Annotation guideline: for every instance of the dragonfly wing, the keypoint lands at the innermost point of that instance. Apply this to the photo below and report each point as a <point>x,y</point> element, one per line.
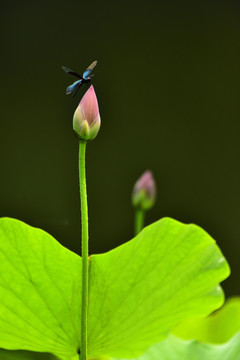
<point>74,86</point>
<point>89,69</point>
<point>77,88</point>
<point>71,72</point>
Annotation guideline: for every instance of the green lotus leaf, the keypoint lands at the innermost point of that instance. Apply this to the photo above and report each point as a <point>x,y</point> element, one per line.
<point>141,289</point>
<point>137,292</point>
<point>40,291</point>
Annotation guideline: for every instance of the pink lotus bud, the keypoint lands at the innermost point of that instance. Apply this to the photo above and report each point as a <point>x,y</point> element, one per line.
<point>86,119</point>
<point>144,191</point>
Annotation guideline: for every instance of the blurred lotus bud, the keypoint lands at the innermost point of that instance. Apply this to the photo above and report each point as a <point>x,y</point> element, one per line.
<point>86,119</point>
<point>144,191</point>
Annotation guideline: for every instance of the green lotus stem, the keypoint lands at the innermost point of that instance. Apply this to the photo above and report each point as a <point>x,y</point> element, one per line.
<point>139,220</point>
<point>84,217</point>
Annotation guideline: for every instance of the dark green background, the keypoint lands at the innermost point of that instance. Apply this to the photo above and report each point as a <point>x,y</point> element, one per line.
<point>167,82</point>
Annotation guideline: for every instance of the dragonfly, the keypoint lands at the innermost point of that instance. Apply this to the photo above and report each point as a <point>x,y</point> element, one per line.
<point>82,79</point>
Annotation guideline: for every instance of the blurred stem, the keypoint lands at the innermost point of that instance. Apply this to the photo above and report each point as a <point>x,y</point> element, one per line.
<point>139,220</point>
<point>84,217</point>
